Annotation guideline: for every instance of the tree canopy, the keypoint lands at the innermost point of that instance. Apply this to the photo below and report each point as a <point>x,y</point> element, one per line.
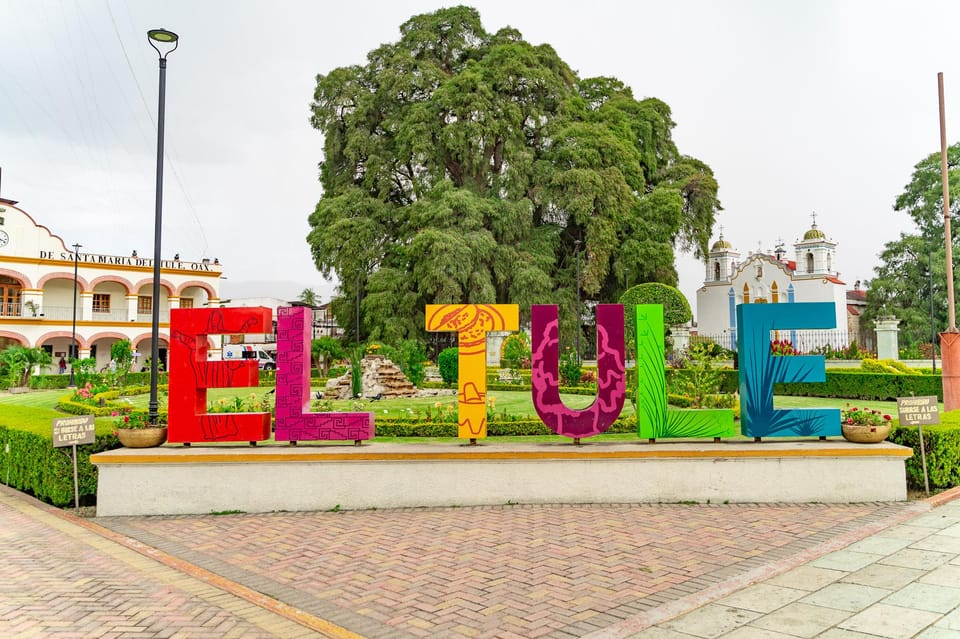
<point>902,285</point>
<point>676,309</point>
<point>461,166</point>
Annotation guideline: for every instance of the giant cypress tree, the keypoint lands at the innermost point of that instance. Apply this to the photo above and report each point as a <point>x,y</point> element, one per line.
<point>461,166</point>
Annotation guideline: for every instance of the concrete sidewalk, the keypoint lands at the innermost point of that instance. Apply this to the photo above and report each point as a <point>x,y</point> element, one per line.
<point>901,582</point>
<point>674,571</point>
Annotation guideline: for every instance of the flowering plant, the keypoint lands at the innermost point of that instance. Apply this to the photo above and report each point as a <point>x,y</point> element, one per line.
<point>139,420</point>
<point>782,347</point>
<point>864,416</point>
<point>86,394</point>
<point>253,404</point>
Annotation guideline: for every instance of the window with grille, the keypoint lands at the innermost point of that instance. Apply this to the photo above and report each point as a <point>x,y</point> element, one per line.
<point>186,302</point>
<point>10,296</point>
<point>101,302</point>
<point>144,305</point>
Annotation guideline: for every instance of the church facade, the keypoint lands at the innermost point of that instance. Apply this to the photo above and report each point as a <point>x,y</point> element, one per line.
<point>809,275</point>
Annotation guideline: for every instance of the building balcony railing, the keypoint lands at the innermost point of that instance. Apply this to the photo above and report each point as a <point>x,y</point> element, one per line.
<point>65,313</point>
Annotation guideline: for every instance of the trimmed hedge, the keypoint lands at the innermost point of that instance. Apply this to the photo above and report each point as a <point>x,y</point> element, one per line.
<point>39,382</point>
<point>388,427</point>
<point>33,465</point>
<point>941,444</point>
<point>110,405</point>
<point>862,385</point>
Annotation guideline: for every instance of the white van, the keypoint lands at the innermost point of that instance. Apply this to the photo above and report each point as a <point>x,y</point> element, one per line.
<point>264,359</point>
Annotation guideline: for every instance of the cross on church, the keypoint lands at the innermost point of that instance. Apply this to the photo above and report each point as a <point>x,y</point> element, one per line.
<point>814,216</point>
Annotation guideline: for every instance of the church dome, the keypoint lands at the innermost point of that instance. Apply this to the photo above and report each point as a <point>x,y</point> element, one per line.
<point>721,245</point>
<point>814,233</point>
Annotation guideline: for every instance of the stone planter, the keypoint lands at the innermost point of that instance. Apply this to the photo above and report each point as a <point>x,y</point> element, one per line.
<point>142,437</point>
<point>865,433</point>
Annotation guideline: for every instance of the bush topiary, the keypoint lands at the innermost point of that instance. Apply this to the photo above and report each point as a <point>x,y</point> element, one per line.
<point>676,308</point>
<point>449,363</point>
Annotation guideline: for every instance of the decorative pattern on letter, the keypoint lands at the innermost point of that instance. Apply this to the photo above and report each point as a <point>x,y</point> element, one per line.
<point>759,370</point>
<point>545,378</point>
<point>293,421</point>
<point>472,322</point>
<point>191,375</point>
<point>654,419</point>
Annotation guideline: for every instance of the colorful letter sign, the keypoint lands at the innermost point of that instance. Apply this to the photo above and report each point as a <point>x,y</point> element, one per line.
<point>611,375</point>
<point>760,370</point>
<point>654,419</point>
<point>294,423</point>
<point>472,322</point>
<point>191,375</point>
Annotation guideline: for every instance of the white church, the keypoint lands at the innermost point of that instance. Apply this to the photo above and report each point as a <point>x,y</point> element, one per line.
<point>764,278</point>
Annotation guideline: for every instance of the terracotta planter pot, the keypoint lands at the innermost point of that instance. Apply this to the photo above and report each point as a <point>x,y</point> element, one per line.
<point>142,437</point>
<point>865,433</point>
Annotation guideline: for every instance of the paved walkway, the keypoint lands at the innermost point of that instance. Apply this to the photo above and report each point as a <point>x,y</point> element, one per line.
<point>653,571</point>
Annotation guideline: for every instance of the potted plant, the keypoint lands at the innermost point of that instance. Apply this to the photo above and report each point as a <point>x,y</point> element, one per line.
<point>134,430</point>
<point>864,425</point>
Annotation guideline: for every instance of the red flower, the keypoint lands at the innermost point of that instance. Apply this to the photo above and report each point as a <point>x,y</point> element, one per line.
<point>887,418</point>
<point>849,420</point>
<point>126,419</point>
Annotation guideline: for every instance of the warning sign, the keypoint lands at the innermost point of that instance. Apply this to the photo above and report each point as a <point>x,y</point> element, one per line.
<point>78,430</point>
<point>918,411</point>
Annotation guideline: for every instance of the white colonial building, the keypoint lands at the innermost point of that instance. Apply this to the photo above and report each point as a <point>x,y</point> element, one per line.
<point>764,278</point>
<point>114,294</point>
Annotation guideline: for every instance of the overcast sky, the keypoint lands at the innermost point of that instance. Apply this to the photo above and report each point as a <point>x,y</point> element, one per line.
<point>797,106</point>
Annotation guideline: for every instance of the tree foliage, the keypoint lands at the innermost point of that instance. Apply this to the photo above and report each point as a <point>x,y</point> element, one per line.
<point>17,363</point>
<point>325,350</point>
<point>463,166</point>
<point>676,308</point>
<point>902,283</point>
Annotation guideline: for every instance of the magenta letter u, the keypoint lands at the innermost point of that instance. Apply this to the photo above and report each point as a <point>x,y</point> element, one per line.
<point>545,378</point>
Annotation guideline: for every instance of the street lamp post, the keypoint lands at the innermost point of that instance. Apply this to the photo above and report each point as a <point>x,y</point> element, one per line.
<point>73,338</point>
<point>163,38</point>
<point>358,308</point>
<point>577,244</point>
<point>933,329</point>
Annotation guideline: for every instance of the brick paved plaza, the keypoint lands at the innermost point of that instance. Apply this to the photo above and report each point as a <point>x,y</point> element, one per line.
<point>506,571</point>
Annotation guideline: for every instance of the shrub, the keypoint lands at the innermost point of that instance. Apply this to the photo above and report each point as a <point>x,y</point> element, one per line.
<point>676,308</point>
<point>941,444</point>
<point>782,347</point>
<point>356,371</point>
<point>516,351</point>
<point>449,363</point>
<point>857,384</point>
<point>887,366</point>
<point>699,380</point>
<point>569,366</point>
<point>33,465</point>
<point>410,356</point>
<point>44,382</point>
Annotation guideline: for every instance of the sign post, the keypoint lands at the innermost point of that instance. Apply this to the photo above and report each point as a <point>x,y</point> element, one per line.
<point>71,431</point>
<point>917,411</point>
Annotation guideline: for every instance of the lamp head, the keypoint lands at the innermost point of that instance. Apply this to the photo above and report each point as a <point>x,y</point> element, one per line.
<point>164,38</point>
